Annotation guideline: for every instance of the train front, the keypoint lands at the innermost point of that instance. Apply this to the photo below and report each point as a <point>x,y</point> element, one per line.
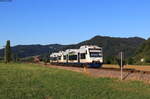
<point>95,56</point>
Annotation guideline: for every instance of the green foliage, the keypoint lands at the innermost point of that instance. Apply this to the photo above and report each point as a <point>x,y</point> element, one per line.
<point>29,81</point>
<point>130,61</point>
<point>15,58</point>
<point>46,58</point>
<point>8,56</point>
<point>27,59</point>
<point>119,62</point>
<point>1,58</point>
<point>143,52</point>
<point>110,60</point>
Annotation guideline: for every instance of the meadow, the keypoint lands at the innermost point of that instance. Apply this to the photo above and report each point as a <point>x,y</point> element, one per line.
<point>32,81</point>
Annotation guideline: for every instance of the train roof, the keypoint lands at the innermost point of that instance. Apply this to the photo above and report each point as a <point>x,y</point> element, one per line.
<point>75,51</point>
<point>82,49</point>
<point>89,46</point>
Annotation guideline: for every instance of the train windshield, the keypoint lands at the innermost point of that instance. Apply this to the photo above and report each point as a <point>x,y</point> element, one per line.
<point>95,52</point>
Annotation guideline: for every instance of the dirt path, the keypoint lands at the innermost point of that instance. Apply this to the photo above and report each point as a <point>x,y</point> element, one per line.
<point>99,72</point>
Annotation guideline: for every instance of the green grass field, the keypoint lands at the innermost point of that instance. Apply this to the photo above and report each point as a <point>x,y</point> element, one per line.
<point>30,81</point>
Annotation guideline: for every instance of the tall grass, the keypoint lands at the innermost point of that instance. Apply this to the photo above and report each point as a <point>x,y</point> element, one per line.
<point>30,81</point>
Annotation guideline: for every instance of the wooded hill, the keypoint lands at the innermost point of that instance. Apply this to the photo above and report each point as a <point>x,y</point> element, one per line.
<point>111,47</point>
<point>143,52</point>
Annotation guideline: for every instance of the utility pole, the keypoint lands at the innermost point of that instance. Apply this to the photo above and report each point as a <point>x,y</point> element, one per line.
<point>121,67</point>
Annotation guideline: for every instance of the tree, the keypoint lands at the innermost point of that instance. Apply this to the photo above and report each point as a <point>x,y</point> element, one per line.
<point>15,58</point>
<point>27,59</point>
<point>143,52</point>
<point>130,61</point>
<point>45,59</point>
<point>118,60</point>
<point>7,56</point>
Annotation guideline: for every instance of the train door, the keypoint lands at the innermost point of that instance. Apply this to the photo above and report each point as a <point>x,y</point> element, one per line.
<point>78,57</point>
<point>67,58</point>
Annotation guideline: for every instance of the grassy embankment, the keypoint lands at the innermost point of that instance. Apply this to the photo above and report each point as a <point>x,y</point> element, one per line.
<point>30,81</point>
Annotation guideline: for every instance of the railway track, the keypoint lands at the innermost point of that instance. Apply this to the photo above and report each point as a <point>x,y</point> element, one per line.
<point>127,70</point>
<point>130,70</point>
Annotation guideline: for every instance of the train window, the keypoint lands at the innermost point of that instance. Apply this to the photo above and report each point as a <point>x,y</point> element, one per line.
<point>59,57</point>
<point>82,55</point>
<point>54,58</point>
<point>65,57</point>
<point>73,57</point>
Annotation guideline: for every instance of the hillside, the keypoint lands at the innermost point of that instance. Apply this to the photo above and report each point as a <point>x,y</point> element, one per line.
<point>143,52</point>
<point>111,46</point>
<point>32,50</point>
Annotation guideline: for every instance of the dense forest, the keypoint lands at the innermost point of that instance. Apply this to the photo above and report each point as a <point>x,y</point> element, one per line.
<point>143,53</point>
<point>111,47</point>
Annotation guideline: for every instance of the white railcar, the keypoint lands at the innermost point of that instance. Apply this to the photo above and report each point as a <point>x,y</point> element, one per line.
<point>89,55</point>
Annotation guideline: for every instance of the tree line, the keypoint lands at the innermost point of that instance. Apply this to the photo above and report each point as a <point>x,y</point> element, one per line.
<point>9,56</point>
<point>142,55</point>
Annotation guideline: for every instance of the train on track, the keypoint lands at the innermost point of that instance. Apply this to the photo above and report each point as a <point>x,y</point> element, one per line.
<point>87,55</point>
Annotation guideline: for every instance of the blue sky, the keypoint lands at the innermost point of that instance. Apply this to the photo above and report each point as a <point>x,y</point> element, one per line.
<point>72,21</point>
